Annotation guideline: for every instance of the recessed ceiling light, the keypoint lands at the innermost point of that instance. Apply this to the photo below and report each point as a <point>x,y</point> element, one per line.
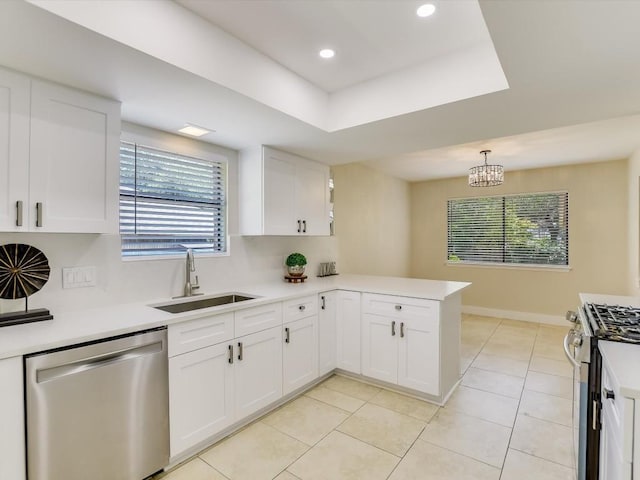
<point>327,53</point>
<point>194,131</point>
<point>426,10</point>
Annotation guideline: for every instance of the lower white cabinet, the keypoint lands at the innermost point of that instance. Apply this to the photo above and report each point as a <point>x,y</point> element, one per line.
<point>400,341</point>
<point>12,420</point>
<point>327,333</point>
<point>348,330</point>
<point>299,353</point>
<point>200,395</point>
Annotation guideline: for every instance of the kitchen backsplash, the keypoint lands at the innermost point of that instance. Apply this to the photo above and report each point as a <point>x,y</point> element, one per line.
<point>252,260</point>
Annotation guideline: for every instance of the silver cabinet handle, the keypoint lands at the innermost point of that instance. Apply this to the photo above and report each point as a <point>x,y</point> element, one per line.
<point>393,328</point>
<point>19,213</point>
<point>304,226</point>
<point>230,353</point>
<point>401,329</point>
<point>287,335</point>
<point>299,226</point>
<point>398,307</point>
<point>568,338</point>
<point>38,214</point>
<point>240,351</point>
<point>302,308</point>
<point>324,304</point>
<point>594,415</point>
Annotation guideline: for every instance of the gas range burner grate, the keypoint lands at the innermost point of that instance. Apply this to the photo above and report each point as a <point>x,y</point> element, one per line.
<point>615,322</point>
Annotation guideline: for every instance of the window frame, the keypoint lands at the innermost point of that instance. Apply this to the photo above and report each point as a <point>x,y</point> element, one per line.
<point>188,151</point>
<point>507,265</point>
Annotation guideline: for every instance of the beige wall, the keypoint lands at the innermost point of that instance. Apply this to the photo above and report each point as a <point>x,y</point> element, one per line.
<point>372,222</point>
<point>634,224</point>
<point>598,239</point>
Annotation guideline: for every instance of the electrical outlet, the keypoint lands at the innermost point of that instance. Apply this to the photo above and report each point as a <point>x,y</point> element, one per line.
<point>76,277</point>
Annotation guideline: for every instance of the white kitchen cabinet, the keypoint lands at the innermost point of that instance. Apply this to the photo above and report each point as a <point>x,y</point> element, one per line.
<point>74,167</point>
<point>299,353</point>
<point>327,332</point>
<point>201,401</point>
<point>12,420</point>
<point>14,150</point>
<point>258,371</point>
<point>282,194</point>
<point>348,331</point>
<point>400,341</point>
<point>202,332</point>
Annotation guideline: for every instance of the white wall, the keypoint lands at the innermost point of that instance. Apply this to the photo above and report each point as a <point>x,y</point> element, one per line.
<point>251,259</point>
<point>633,221</point>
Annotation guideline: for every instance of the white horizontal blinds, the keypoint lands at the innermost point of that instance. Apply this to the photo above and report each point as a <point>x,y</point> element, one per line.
<point>514,229</point>
<point>170,202</point>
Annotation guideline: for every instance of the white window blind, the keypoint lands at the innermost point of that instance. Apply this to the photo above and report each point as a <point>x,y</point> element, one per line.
<point>170,202</point>
<point>515,229</point>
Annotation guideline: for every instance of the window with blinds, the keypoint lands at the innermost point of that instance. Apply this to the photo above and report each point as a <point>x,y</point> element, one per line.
<point>516,229</point>
<point>170,202</point>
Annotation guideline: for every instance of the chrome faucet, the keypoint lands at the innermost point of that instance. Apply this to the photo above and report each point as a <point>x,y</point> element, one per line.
<point>190,266</point>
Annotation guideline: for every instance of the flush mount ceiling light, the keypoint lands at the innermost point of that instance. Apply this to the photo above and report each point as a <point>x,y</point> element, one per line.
<point>327,53</point>
<point>194,130</point>
<point>486,175</point>
<point>426,10</point>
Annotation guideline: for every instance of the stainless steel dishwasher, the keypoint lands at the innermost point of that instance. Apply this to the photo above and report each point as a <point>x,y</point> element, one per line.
<point>99,410</point>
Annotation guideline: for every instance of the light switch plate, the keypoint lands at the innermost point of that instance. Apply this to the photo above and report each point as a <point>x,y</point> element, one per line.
<point>76,277</point>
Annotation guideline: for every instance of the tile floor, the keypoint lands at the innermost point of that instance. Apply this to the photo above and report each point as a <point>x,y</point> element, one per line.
<point>509,419</point>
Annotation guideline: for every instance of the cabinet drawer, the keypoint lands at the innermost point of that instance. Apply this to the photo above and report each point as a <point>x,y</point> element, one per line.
<point>300,307</point>
<point>202,332</point>
<point>401,307</point>
<point>255,319</point>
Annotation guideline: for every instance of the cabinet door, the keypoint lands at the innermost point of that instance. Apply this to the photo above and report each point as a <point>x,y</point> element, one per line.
<point>348,326</point>
<point>12,420</point>
<point>419,355</point>
<point>14,150</point>
<point>258,370</point>
<point>200,396</point>
<point>312,197</point>
<point>380,347</point>
<point>74,160</point>
<point>299,353</point>
<point>327,333</point>
<point>279,194</point>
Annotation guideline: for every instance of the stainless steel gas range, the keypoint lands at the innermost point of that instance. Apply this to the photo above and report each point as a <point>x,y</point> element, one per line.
<point>600,317</point>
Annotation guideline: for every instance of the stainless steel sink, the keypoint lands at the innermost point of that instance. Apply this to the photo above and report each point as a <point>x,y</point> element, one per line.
<point>203,303</point>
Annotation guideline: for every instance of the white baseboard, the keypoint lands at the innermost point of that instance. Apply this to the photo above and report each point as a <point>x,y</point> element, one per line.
<point>513,315</point>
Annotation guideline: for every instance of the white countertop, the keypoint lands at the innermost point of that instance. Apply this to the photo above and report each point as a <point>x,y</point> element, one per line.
<point>610,299</point>
<point>623,361</point>
<point>69,328</point>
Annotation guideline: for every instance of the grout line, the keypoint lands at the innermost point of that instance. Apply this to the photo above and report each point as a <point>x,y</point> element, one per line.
<point>542,458</point>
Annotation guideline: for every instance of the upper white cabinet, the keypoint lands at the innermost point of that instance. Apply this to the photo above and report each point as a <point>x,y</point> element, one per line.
<point>282,194</point>
<point>58,158</point>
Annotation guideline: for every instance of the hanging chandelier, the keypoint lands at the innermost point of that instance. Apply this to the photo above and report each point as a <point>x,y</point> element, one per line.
<point>486,175</point>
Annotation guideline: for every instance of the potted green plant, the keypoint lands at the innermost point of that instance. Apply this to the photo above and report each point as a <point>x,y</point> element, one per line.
<point>295,264</point>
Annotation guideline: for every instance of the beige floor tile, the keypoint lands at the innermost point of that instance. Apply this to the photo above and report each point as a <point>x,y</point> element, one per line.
<point>510,350</point>
<point>391,431</point>
<point>550,350</point>
<point>406,405</point>
<point>551,366</point>
<point>481,320</point>
<point>469,349</point>
<point>467,435</point>
<point>353,388</point>
<point>546,407</point>
<point>425,461</point>
<point>194,469</point>
<point>477,329</point>
<point>552,332</point>
<point>507,385</point>
<point>286,476</point>
<point>339,456</point>
<point>543,439</point>
<point>550,384</point>
<point>499,364</point>
<point>306,419</point>
<point>268,450</point>
<point>335,398</point>
<point>520,466</point>
<point>484,405</point>
<point>465,362</point>
<point>519,324</point>
<point>515,334</point>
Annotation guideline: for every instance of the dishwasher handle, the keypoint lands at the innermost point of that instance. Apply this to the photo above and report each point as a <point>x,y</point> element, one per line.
<point>72,368</point>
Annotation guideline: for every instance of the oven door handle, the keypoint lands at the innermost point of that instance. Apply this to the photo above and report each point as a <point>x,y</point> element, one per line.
<point>567,352</point>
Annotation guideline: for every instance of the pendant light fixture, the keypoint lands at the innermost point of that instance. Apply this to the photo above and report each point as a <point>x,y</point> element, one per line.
<point>486,175</point>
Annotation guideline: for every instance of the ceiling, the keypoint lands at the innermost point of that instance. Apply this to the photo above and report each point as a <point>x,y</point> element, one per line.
<point>540,83</point>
